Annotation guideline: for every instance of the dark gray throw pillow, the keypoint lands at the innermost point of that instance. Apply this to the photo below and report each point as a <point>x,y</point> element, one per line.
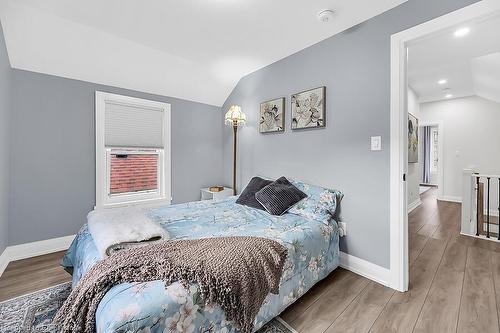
<point>279,196</point>
<point>247,197</point>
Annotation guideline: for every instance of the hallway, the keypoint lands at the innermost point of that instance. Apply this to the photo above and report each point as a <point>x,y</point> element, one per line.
<point>456,278</point>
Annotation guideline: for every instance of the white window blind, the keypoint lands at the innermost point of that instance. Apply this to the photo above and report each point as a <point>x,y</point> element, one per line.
<point>133,126</point>
<point>132,150</point>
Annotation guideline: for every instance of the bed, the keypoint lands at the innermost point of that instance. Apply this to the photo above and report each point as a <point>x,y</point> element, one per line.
<point>313,252</point>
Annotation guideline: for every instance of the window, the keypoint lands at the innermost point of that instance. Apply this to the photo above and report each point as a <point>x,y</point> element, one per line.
<point>132,150</point>
<point>133,171</point>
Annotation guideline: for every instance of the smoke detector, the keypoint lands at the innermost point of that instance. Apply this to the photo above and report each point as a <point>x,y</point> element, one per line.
<point>326,15</point>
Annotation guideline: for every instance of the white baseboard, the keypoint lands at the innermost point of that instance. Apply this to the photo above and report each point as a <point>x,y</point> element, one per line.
<point>450,198</point>
<point>414,205</point>
<point>4,261</point>
<point>28,250</point>
<point>364,268</point>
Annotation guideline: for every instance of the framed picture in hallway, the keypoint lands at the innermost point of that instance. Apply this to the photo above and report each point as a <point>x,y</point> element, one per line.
<point>308,109</point>
<point>412,139</point>
<point>272,116</point>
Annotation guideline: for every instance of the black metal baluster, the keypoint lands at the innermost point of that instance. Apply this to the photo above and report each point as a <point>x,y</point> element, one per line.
<point>477,205</point>
<point>488,211</point>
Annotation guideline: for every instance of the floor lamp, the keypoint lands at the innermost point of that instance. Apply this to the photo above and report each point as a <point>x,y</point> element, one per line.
<point>235,117</point>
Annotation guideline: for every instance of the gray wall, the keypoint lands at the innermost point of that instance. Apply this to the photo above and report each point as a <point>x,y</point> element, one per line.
<point>53,153</point>
<point>5,105</point>
<point>355,68</point>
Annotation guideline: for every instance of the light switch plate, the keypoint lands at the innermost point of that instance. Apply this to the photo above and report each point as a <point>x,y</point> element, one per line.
<point>376,142</point>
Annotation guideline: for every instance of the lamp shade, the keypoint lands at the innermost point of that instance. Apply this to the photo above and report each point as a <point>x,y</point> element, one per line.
<point>234,116</point>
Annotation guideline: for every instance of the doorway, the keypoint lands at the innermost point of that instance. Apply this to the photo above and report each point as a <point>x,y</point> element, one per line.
<point>400,42</point>
<point>431,148</point>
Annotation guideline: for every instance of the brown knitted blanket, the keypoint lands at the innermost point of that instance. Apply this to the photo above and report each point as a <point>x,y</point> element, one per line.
<point>237,273</point>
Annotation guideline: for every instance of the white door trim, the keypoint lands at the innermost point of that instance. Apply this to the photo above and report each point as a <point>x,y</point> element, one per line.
<point>398,152</point>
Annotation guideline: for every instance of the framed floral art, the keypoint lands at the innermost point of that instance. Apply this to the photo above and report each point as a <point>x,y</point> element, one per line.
<point>412,139</point>
<point>272,116</point>
<point>308,109</point>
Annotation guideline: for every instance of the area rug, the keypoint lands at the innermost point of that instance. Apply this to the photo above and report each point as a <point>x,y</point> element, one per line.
<point>33,313</point>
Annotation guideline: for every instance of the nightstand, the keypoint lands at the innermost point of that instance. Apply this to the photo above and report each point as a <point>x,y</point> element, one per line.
<point>207,195</point>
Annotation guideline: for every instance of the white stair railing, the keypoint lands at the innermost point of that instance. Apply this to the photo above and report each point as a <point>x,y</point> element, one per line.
<point>473,208</point>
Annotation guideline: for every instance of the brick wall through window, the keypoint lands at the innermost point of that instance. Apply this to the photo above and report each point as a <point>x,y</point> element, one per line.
<point>133,173</point>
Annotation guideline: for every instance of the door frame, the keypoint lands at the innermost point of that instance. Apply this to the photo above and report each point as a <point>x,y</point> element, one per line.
<point>398,206</point>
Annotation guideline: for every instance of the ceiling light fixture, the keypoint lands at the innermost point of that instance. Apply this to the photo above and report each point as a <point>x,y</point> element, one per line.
<point>449,96</point>
<point>443,81</point>
<point>326,15</point>
<point>462,32</point>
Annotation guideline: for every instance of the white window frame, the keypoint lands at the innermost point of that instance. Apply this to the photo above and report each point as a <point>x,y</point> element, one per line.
<point>103,161</point>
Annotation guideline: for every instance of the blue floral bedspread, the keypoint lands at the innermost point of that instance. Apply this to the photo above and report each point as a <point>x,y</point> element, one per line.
<point>313,252</point>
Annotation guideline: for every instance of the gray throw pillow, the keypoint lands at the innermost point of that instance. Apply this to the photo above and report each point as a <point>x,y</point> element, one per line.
<point>279,196</point>
<point>247,197</point>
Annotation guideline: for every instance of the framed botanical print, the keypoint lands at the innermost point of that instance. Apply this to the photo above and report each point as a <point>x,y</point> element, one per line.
<point>272,116</point>
<point>309,109</point>
<point>412,139</point>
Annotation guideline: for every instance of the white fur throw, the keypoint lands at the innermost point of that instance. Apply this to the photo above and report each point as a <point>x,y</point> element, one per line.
<point>115,229</point>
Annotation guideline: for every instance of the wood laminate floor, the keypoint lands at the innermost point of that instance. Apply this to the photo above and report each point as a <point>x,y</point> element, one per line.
<point>29,275</point>
<point>454,284</point>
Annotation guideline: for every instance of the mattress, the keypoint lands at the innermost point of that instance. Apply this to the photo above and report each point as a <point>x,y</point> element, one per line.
<point>313,252</point>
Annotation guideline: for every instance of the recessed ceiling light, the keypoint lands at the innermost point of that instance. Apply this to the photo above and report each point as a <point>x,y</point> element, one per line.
<point>449,96</point>
<point>462,32</point>
<point>325,15</point>
<point>443,81</point>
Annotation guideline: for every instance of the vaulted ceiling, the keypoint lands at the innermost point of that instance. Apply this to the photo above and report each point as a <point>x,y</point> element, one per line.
<point>191,49</point>
<point>470,64</point>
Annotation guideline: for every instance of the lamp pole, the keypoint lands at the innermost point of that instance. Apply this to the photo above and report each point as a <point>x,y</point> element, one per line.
<point>235,130</point>
<point>235,117</point>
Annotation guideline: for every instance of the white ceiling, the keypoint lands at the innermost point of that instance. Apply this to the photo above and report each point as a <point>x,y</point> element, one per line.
<point>191,49</point>
<point>471,64</point>
<point>486,76</point>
